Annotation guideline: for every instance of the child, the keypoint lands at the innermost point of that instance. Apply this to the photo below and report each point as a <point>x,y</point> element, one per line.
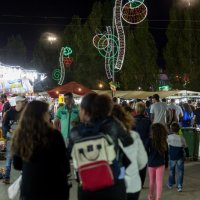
<point>176,144</point>
<point>157,160</point>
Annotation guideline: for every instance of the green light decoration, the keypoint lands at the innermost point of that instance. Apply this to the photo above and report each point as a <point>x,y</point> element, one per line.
<point>164,88</point>
<point>112,67</point>
<point>56,75</point>
<point>111,42</point>
<point>65,61</point>
<point>136,3</point>
<point>67,51</point>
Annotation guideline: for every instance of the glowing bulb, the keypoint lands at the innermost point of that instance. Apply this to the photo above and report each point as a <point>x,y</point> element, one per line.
<point>100,85</point>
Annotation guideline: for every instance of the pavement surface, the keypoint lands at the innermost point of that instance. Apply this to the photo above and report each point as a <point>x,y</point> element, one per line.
<point>191,187</point>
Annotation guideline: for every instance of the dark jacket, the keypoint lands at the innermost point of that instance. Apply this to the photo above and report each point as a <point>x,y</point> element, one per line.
<point>143,126</point>
<point>113,128</point>
<point>155,159</point>
<point>11,118</point>
<point>45,175</point>
<point>109,126</point>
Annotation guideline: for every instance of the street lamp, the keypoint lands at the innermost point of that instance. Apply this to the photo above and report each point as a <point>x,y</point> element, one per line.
<point>188,2</point>
<point>51,39</point>
<point>100,85</point>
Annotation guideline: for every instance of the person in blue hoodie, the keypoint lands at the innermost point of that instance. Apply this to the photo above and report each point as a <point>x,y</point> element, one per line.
<point>177,148</point>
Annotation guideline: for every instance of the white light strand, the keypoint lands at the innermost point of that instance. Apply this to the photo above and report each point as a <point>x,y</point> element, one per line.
<point>120,34</point>
<point>62,68</point>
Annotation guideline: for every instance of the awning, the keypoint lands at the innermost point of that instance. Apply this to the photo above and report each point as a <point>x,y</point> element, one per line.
<point>72,87</point>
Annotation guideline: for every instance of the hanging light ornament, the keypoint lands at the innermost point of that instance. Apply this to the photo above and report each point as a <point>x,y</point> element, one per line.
<point>112,47</point>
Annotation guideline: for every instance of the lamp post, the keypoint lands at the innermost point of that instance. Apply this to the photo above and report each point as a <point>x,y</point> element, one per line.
<point>52,39</point>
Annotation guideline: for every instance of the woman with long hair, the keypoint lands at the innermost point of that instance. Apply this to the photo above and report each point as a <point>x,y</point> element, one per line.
<point>95,115</point>
<point>39,151</point>
<point>157,160</point>
<point>135,154</point>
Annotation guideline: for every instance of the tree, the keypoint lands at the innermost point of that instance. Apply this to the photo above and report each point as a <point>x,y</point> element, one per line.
<point>182,52</point>
<point>88,66</point>
<point>45,59</point>
<point>14,53</point>
<point>140,67</point>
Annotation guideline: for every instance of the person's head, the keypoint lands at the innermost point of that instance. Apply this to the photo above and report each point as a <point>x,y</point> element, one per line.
<point>68,98</point>
<point>155,98</point>
<point>115,100</point>
<point>187,107</point>
<point>140,108</point>
<point>175,127</point>
<point>32,130</point>
<point>20,103</point>
<point>159,137</point>
<point>131,104</point>
<point>102,107</point>
<point>86,107</point>
<point>3,98</point>
<point>198,104</point>
<point>164,100</point>
<point>172,100</point>
<point>128,109</point>
<point>148,104</point>
<point>189,102</point>
<point>119,112</point>
<point>124,103</point>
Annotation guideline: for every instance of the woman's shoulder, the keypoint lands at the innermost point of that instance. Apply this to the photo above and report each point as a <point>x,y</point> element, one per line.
<point>135,135</point>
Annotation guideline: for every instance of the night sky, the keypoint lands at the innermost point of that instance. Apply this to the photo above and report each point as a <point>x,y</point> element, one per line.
<point>31,18</point>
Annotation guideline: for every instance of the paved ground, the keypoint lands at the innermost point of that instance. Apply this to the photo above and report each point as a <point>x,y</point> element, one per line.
<point>191,190</point>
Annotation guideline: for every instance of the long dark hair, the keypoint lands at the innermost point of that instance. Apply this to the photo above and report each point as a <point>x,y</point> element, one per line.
<point>32,130</point>
<point>159,137</point>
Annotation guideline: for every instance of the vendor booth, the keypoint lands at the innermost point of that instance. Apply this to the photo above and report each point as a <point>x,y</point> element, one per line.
<point>15,79</point>
<point>73,87</point>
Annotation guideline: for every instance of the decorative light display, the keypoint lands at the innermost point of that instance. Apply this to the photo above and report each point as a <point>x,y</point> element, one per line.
<point>114,86</point>
<point>56,74</point>
<point>65,61</point>
<point>112,47</point>
<point>134,12</point>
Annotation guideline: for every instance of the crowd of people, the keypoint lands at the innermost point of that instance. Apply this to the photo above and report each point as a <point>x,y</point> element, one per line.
<point>111,146</point>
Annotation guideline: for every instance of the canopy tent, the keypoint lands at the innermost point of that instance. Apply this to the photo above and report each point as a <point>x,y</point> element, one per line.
<point>72,87</point>
<point>144,94</point>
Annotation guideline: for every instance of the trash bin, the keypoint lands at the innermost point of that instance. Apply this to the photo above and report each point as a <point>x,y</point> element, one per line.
<point>191,136</point>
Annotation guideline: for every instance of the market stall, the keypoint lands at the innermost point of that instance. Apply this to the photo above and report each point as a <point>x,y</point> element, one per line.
<point>15,79</point>
<point>73,87</point>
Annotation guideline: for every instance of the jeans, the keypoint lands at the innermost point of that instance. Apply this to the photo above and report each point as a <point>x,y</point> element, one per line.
<point>173,166</point>
<point>155,179</point>
<point>8,160</point>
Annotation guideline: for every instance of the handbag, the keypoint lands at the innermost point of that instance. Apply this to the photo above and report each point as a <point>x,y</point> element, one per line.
<point>14,188</point>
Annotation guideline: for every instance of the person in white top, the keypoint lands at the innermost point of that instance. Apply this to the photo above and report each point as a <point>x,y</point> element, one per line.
<point>177,108</point>
<point>158,110</point>
<point>135,154</point>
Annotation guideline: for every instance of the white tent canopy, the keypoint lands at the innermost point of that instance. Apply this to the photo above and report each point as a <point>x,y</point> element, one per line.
<point>145,94</point>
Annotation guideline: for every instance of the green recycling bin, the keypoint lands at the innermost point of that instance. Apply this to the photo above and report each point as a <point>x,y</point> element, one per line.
<point>191,136</point>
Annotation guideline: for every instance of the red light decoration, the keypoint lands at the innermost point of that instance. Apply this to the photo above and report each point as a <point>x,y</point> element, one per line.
<point>134,15</point>
<point>67,61</point>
